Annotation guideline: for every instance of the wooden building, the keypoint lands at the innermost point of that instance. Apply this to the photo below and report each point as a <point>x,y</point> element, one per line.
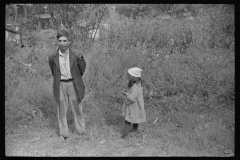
<point>45,21</point>
<point>12,32</point>
<point>16,11</point>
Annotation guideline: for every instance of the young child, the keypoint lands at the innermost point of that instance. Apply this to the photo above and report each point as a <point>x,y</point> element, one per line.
<point>133,107</point>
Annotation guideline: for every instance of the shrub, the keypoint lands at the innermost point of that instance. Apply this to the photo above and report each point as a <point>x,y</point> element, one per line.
<point>175,55</point>
<point>28,94</point>
<point>30,97</point>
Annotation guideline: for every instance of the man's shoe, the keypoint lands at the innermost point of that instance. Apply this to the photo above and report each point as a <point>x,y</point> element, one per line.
<point>64,138</point>
<point>82,132</point>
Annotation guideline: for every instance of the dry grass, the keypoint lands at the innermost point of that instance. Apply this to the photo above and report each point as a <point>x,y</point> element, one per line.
<point>189,98</point>
<point>197,135</point>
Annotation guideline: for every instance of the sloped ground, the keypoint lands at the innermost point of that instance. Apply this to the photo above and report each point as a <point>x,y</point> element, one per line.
<point>196,131</point>
<point>162,138</point>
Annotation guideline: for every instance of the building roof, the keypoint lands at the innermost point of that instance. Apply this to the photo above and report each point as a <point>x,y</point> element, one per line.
<point>46,15</point>
<point>10,22</point>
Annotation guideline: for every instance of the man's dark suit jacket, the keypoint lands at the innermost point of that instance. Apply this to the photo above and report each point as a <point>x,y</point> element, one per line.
<point>77,68</point>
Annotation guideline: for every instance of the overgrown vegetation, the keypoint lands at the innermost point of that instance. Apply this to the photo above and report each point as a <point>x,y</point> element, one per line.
<point>188,77</point>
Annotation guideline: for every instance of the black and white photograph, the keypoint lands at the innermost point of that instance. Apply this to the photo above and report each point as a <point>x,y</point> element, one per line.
<point>119,80</point>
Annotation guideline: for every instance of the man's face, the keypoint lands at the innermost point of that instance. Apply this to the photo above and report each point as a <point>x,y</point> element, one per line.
<point>63,43</point>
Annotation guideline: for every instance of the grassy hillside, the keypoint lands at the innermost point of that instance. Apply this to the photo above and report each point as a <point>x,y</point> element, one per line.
<point>189,91</point>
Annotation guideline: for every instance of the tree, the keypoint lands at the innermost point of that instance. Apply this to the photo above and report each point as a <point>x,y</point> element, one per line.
<point>142,10</point>
<point>138,10</point>
<point>78,19</point>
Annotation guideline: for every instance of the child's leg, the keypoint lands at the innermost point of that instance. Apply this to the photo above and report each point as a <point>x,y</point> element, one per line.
<point>135,126</point>
<point>127,129</point>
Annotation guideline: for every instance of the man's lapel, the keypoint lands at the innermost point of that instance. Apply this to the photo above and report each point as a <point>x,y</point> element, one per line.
<point>56,60</point>
<point>70,57</point>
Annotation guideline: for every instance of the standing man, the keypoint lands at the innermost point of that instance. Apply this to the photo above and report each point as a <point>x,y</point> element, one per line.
<point>67,67</point>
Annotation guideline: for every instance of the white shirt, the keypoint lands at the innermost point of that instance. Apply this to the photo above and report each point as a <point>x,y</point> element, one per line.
<point>64,63</point>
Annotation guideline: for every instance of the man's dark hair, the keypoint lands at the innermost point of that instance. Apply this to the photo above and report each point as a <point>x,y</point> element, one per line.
<point>133,81</point>
<point>63,33</point>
